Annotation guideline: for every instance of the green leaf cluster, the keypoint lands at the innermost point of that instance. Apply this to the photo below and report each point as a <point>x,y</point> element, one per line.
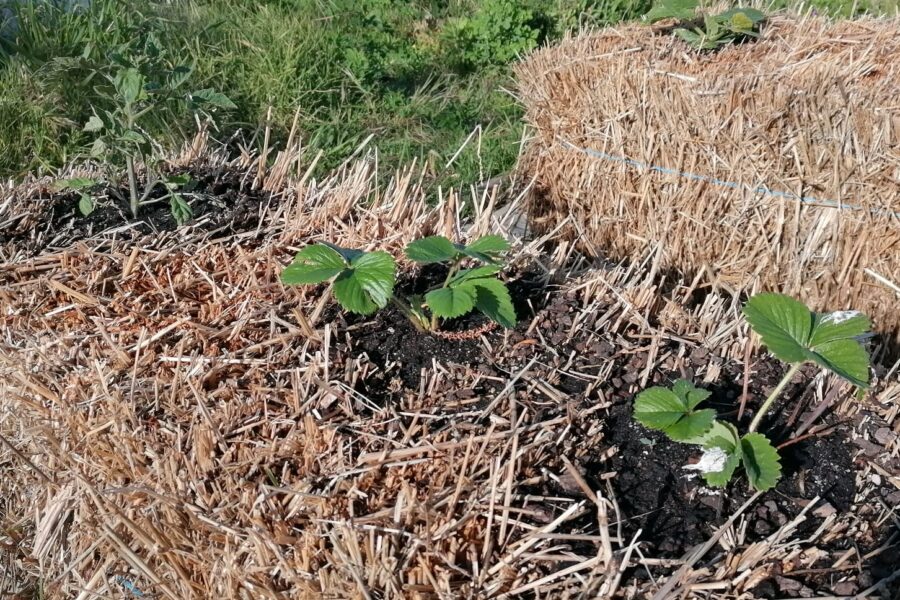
<point>795,335</point>
<point>674,412</point>
<point>465,290</point>
<point>364,281</point>
<point>708,31</point>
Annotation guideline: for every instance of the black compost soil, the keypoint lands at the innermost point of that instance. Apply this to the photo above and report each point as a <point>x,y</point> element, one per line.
<point>220,198</point>
<point>673,509</point>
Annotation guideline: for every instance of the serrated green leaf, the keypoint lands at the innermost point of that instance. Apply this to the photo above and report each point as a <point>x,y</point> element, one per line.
<point>669,9</point>
<point>661,408</point>
<point>840,325</point>
<point>313,264</point>
<point>93,124</point>
<point>476,273</point>
<point>761,461</point>
<point>367,284</point>
<point>784,324</point>
<point>86,204</point>
<point>846,358</point>
<point>689,394</point>
<point>212,98</point>
<point>795,334</point>
<point>432,249</point>
<point>721,478</point>
<point>722,435</point>
<point>489,244</point>
<point>451,302</point>
<point>691,425</point>
<point>349,254</point>
<point>492,298</point>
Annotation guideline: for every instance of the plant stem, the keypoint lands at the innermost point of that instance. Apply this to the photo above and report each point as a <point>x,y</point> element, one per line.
<point>409,313</point>
<point>132,186</point>
<point>778,389</point>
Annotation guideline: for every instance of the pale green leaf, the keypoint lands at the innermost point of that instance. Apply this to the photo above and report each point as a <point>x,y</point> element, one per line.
<point>86,204</point>
<point>75,183</point>
<point>180,209</point>
<point>761,461</point>
<point>669,9</point>
<point>721,478</point>
<point>451,302</point>
<point>432,249</point>
<point>783,324</point>
<point>93,124</point>
<point>658,408</point>
<point>313,264</point>
<point>130,85</point>
<point>751,14</point>
<point>740,22</point>
<point>840,325</point>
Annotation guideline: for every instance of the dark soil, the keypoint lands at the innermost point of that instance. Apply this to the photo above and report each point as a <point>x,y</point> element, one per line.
<point>672,507</point>
<point>218,196</point>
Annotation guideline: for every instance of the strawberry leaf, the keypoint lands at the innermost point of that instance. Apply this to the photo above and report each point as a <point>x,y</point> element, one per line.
<point>761,461</point>
<point>313,264</point>
<point>492,298</point>
<point>663,409</point>
<point>367,284</point>
<point>432,249</point>
<point>451,302</point>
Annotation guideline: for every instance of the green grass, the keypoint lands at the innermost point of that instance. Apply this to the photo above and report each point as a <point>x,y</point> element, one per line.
<point>420,75</point>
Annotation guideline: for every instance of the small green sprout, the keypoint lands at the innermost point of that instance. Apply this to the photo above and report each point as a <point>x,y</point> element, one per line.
<point>82,185</point>
<point>710,31</point>
<point>793,334</point>
<point>363,282</point>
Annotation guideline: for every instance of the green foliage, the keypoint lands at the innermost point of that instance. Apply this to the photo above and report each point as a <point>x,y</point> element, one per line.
<point>710,31</point>
<point>794,334</point>
<point>673,411</point>
<point>364,281</point>
<point>497,32</point>
<point>465,290</point>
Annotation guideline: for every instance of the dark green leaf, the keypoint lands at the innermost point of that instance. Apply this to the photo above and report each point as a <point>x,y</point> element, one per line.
<point>661,408</point>
<point>451,302</point>
<point>349,254</point>
<point>761,461</point>
<point>839,325</point>
<point>476,273</point>
<point>754,15</point>
<point>489,244</point>
<point>432,249</point>
<point>313,264</point>
<point>689,394</point>
<point>178,180</point>
<point>784,324</point>
<point>492,298</point>
<point>846,358</point>
<point>368,284</point>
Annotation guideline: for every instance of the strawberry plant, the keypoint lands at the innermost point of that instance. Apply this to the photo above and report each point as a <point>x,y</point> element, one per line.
<point>792,333</point>
<point>708,31</point>
<point>364,282</point>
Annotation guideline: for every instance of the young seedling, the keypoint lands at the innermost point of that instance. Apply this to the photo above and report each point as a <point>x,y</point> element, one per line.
<point>82,185</point>
<point>793,334</point>
<point>709,31</point>
<point>364,282</point>
<point>137,85</point>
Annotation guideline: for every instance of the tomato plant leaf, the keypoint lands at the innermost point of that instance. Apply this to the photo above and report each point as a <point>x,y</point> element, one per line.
<point>85,204</point>
<point>761,461</point>
<point>211,98</point>
<point>432,249</point>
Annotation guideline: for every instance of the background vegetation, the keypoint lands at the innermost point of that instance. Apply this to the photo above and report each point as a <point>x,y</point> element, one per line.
<point>421,75</point>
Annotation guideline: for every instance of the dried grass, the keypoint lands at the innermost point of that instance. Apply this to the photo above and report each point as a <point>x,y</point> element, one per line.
<point>808,111</point>
<point>176,422</point>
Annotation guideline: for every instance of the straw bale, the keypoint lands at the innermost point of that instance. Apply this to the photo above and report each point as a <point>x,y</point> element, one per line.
<point>706,156</point>
<point>177,424</point>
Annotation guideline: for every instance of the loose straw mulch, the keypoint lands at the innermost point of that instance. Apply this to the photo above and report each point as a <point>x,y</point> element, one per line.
<point>177,424</point>
<point>773,164</point>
